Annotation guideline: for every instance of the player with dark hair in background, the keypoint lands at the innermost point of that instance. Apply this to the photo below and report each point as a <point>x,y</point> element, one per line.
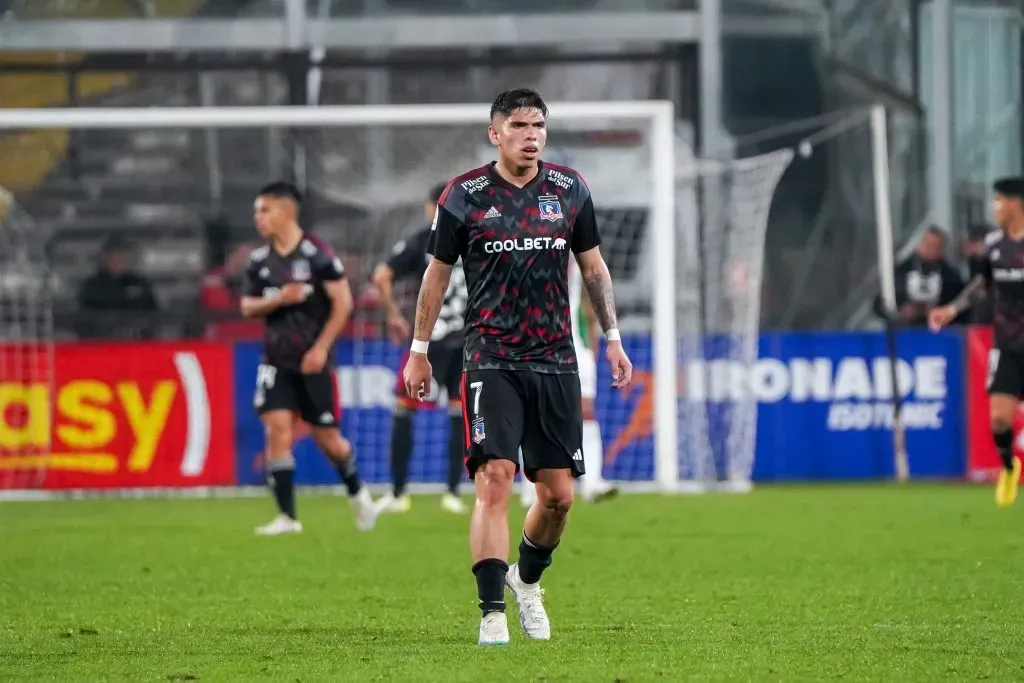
<point>1001,268</point>
<point>514,223</point>
<point>298,285</point>
<point>409,259</point>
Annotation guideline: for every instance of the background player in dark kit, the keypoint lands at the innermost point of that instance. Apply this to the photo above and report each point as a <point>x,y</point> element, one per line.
<point>514,223</point>
<point>409,260</point>
<point>1002,270</point>
<point>298,285</point>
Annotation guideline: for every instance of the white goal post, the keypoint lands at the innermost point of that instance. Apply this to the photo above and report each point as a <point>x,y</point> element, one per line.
<point>657,117</point>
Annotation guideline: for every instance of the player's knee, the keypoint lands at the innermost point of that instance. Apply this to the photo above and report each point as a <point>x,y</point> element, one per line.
<point>1001,424</point>
<point>556,498</point>
<point>278,433</point>
<point>495,480</point>
<point>332,443</point>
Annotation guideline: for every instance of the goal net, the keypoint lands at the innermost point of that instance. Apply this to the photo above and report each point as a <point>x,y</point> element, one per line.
<point>27,364</point>
<point>683,238</point>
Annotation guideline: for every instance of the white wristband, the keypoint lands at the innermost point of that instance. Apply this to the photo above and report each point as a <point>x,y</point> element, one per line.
<point>419,346</point>
<point>613,335</point>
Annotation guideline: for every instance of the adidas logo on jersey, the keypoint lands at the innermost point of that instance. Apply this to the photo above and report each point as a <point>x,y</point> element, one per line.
<point>492,213</point>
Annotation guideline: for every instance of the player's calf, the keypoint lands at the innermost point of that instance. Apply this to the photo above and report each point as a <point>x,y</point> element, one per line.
<point>545,523</point>
<point>1002,435</point>
<point>488,533</point>
<point>542,531</point>
<point>456,450</point>
<point>339,450</point>
<point>280,467</point>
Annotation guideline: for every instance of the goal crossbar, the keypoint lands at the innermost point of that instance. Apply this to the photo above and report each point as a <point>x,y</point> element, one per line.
<point>659,116</point>
<point>658,112</point>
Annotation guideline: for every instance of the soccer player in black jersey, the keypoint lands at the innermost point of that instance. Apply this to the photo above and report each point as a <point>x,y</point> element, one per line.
<point>1002,269</point>
<point>514,223</point>
<point>409,259</point>
<point>298,285</point>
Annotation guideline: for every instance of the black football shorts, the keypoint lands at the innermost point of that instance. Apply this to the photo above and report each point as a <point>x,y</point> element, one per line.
<point>313,397</point>
<point>505,410</point>
<point>1006,372</point>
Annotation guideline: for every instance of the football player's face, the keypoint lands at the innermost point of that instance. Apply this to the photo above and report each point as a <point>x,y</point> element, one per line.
<point>270,214</point>
<point>1006,210</point>
<point>520,137</point>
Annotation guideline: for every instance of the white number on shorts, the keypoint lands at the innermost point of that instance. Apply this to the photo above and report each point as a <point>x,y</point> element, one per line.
<point>478,388</point>
<point>265,377</point>
<point>993,363</point>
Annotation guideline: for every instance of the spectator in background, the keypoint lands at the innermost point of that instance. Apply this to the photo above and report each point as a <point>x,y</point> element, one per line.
<point>973,250</point>
<point>116,301</point>
<point>923,281</point>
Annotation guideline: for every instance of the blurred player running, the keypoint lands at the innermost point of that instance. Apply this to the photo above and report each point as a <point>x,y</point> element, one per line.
<point>513,223</point>
<point>593,487</point>
<point>297,284</point>
<point>1003,270</point>
<point>409,259</point>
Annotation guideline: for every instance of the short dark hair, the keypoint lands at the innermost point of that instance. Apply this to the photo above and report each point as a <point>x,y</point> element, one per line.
<point>520,98</point>
<point>1010,187</point>
<point>936,231</point>
<point>435,193</point>
<point>281,189</point>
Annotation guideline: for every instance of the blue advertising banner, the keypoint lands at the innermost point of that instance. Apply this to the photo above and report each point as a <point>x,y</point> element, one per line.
<point>816,405</point>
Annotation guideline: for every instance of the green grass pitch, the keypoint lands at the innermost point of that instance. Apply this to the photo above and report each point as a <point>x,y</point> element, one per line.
<point>886,583</point>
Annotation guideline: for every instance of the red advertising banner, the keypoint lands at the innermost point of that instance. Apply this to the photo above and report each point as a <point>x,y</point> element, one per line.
<point>116,415</point>
<point>983,462</point>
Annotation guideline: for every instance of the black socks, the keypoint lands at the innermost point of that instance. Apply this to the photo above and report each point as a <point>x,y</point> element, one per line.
<point>401,449</point>
<point>1004,446</point>
<point>456,453</point>
<point>533,560</point>
<point>281,477</point>
<point>490,584</point>
<point>349,474</point>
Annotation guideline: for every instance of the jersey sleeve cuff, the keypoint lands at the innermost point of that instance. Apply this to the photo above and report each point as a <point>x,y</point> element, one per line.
<point>445,259</point>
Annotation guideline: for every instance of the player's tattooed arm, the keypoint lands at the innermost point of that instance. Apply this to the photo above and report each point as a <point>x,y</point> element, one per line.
<point>587,309</point>
<point>383,277</point>
<point>431,298</point>
<point>598,283</point>
<point>969,295</point>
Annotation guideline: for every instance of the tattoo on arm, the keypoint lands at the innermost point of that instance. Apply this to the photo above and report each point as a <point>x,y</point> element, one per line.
<point>969,294</point>
<point>430,299</point>
<point>599,288</point>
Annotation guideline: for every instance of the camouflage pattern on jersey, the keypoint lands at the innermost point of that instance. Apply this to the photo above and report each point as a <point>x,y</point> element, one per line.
<point>516,244</point>
<point>290,331</point>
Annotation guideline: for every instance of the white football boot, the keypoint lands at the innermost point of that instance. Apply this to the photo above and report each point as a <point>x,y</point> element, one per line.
<point>453,504</point>
<point>493,629</point>
<point>282,524</point>
<point>388,504</point>
<point>595,493</point>
<point>366,511</point>
<point>529,597</point>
